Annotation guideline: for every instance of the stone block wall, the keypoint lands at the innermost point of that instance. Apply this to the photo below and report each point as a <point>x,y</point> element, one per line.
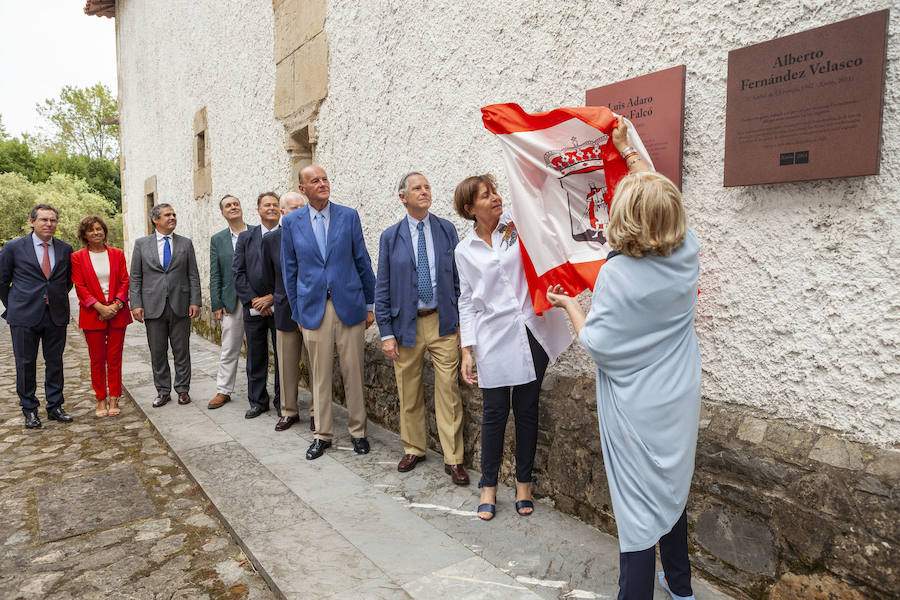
<point>775,511</point>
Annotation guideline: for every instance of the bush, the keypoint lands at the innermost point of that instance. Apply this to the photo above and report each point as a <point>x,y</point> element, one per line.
<point>71,196</point>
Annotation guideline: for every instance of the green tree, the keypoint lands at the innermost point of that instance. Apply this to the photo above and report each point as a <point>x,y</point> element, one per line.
<point>71,196</point>
<point>82,121</point>
<point>3,134</point>
<point>101,174</point>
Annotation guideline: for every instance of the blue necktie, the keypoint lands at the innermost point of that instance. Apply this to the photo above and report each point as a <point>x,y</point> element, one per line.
<point>320,233</point>
<point>167,253</point>
<point>425,291</point>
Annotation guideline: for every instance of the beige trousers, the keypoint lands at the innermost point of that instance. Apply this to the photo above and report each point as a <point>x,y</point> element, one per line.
<point>291,352</point>
<point>447,403</point>
<point>350,342</point>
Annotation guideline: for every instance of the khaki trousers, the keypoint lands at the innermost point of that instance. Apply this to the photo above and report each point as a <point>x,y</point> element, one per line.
<point>410,388</point>
<point>291,352</point>
<point>350,342</point>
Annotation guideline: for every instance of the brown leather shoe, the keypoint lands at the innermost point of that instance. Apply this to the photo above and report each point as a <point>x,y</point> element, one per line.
<point>457,474</point>
<point>218,401</point>
<point>184,398</point>
<point>408,462</point>
<point>312,423</point>
<point>161,400</point>
<point>286,422</point>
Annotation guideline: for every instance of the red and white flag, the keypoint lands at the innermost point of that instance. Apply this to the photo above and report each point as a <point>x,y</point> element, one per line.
<point>563,169</point>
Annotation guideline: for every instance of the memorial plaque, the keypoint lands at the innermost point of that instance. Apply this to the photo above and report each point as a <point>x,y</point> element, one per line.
<point>655,104</point>
<point>807,106</point>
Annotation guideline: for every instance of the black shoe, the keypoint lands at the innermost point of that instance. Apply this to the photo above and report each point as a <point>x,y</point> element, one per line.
<point>32,421</point>
<point>278,411</point>
<point>317,449</point>
<point>58,414</point>
<point>254,412</point>
<point>361,445</point>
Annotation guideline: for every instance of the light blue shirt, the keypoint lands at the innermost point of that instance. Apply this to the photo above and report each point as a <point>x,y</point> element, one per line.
<point>326,214</point>
<point>39,250</point>
<point>429,250</point>
<point>640,332</point>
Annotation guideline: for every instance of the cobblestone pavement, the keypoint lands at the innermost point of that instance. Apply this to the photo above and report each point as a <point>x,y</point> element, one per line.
<point>100,509</point>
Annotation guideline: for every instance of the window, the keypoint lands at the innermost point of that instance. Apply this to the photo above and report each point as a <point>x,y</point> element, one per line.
<point>202,169</point>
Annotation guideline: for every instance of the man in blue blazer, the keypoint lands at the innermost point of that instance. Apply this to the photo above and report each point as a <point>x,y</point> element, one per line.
<point>256,293</point>
<point>415,306</point>
<point>330,286</point>
<point>35,279</point>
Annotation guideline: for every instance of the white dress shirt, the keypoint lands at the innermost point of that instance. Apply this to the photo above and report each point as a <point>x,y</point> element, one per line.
<point>100,262</point>
<point>429,250</point>
<point>161,243</point>
<point>39,250</point>
<point>495,308</point>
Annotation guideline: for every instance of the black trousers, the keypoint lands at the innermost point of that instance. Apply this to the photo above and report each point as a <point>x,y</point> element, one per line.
<point>25,340</point>
<point>636,569</point>
<point>495,413</point>
<point>161,332</point>
<point>259,332</point>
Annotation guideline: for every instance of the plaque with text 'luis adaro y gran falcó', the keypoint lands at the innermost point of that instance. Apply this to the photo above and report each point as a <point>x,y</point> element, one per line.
<point>807,106</point>
<point>654,103</point>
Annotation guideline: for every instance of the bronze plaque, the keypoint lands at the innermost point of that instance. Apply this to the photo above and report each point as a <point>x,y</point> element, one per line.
<point>655,104</point>
<point>807,106</point>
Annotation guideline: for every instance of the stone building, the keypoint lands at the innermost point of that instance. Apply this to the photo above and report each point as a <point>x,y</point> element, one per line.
<point>798,464</point>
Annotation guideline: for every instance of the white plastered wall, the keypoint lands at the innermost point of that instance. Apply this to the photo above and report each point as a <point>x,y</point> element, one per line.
<point>799,316</point>
<point>176,57</point>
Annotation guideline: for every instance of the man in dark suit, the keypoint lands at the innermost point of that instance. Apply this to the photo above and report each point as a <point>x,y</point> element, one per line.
<point>165,296</point>
<point>415,306</point>
<point>331,289</point>
<point>288,340</point>
<point>35,279</point>
<point>256,293</point>
<point>223,298</point>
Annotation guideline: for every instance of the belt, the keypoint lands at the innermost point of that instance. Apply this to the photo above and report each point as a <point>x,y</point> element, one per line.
<point>426,312</point>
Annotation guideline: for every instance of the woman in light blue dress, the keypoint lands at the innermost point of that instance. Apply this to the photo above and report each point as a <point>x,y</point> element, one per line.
<point>640,332</point>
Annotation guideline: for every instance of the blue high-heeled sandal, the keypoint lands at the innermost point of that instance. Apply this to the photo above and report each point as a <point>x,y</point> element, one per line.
<point>487,508</point>
<point>520,504</point>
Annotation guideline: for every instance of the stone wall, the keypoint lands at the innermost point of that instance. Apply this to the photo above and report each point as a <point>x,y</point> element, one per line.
<point>775,510</point>
<point>798,316</point>
<point>177,78</point>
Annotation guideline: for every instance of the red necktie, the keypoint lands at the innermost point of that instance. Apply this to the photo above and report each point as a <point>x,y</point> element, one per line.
<point>45,262</point>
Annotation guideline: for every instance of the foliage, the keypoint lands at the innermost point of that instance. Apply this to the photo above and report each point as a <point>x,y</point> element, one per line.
<point>101,174</point>
<point>82,121</point>
<point>68,194</point>
<point>3,134</point>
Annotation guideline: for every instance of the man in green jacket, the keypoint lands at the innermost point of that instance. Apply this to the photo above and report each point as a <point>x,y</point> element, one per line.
<point>225,305</point>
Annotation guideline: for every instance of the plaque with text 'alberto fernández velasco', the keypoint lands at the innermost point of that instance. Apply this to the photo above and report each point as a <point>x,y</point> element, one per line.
<point>807,106</point>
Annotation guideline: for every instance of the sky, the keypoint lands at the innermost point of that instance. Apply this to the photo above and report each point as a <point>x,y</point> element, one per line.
<point>45,45</point>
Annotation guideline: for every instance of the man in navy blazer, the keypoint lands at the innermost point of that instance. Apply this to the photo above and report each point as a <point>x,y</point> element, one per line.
<point>330,285</point>
<point>35,279</point>
<point>256,293</point>
<point>415,306</point>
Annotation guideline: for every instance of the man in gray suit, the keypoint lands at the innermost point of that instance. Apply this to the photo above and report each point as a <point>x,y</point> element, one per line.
<point>223,298</point>
<point>165,296</point>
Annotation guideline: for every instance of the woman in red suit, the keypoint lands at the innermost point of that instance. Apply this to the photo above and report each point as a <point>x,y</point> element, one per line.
<point>101,281</point>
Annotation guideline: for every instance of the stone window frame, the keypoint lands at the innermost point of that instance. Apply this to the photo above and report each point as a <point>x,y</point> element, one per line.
<point>151,199</point>
<point>201,168</point>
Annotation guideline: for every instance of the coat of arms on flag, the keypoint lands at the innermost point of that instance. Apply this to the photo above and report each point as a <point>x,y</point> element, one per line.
<point>563,169</point>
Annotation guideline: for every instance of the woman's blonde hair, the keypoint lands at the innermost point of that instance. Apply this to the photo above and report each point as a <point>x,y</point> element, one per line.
<point>647,216</point>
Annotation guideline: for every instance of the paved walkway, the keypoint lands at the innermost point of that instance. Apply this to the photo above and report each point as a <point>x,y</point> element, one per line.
<point>100,508</point>
<point>350,526</point>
